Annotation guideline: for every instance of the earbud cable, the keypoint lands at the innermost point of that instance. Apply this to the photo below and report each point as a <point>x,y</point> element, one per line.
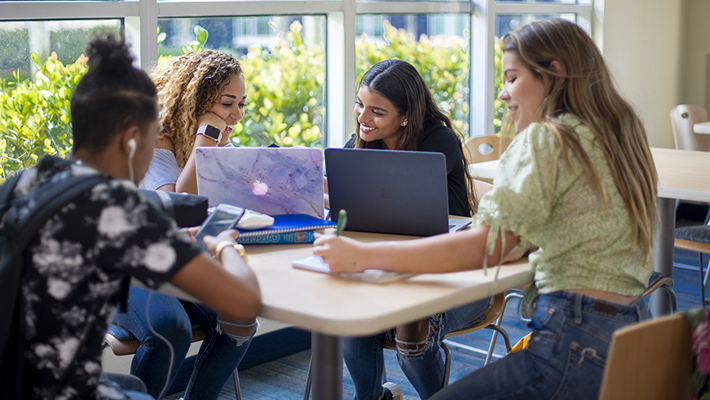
<point>164,340</point>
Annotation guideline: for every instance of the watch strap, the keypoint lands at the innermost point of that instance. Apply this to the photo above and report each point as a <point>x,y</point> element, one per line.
<point>211,132</point>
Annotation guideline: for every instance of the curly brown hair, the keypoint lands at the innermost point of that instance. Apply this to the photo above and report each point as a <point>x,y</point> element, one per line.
<point>188,86</point>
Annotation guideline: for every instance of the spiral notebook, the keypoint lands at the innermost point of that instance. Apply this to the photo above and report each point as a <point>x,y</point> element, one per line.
<point>290,223</point>
<point>316,264</point>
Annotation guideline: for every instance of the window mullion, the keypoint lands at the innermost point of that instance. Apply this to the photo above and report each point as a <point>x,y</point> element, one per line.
<point>482,68</point>
<point>340,74</point>
<point>540,8</point>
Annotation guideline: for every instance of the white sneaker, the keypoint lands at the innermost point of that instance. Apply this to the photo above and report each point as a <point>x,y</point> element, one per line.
<point>392,391</point>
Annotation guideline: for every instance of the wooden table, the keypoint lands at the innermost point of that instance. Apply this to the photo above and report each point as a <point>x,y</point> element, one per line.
<point>485,169</point>
<point>333,307</point>
<point>682,175</point>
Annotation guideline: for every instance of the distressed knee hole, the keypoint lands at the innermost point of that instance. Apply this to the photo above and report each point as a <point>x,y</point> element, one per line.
<point>411,349</point>
<point>238,331</point>
<point>421,342</point>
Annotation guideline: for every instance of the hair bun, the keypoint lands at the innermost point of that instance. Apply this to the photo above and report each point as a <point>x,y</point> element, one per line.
<point>108,54</point>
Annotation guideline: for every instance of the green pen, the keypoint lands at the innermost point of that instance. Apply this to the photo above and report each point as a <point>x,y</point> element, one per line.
<point>342,220</point>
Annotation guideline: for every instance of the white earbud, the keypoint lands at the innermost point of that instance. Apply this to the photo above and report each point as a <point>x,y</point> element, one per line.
<point>131,147</point>
<point>131,152</point>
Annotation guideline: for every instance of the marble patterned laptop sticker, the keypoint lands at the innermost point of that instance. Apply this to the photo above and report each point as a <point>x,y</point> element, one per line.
<point>269,180</point>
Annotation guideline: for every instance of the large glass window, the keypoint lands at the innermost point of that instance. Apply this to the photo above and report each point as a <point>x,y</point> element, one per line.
<point>301,59</point>
<point>504,24</point>
<point>437,45</point>
<point>66,39</point>
<point>40,64</point>
<point>508,22</point>
<point>283,59</point>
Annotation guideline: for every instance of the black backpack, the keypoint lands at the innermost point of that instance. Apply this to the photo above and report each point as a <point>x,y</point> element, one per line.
<point>15,235</point>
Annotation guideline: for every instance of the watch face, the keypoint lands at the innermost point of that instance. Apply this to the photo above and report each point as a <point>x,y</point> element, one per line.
<point>212,132</point>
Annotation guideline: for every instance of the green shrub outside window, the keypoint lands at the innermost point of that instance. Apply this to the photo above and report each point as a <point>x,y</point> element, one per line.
<point>34,114</point>
<point>442,62</point>
<point>284,91</point>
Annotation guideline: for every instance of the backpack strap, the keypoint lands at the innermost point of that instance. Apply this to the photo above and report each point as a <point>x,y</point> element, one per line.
<point>6,191</point>
<point>168,204</point>
<point>56,196</point>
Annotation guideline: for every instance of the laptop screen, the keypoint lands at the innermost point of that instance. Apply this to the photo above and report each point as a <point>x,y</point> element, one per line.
<point>269,180</point>
<point>389,191</point>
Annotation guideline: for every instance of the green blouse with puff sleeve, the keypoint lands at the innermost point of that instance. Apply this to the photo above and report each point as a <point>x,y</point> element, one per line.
<point>542,198</point>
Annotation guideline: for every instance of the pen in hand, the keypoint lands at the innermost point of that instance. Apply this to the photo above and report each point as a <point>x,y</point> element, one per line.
<point>342,220</point>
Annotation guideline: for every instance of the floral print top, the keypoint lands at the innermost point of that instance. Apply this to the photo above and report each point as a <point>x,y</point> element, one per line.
<point>699,320</point>
<point>73,272</point>
<point>542,198</point>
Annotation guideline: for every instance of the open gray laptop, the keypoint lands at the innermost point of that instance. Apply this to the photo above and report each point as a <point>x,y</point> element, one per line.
<point>385,191</point>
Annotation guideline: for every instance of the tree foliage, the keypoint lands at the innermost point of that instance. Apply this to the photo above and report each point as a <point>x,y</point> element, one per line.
<point>34,113</point>
<point>442,61</point>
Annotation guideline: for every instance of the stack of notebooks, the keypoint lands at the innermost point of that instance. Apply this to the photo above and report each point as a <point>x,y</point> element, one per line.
<point>287,228</point>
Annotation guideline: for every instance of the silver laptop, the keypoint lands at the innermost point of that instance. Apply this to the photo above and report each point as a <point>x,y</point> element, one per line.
<point>269,180</point>
<point>385,191</point>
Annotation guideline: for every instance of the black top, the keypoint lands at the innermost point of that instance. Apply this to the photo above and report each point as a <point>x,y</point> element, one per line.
<point>443,140</point>
<point>74,268</point>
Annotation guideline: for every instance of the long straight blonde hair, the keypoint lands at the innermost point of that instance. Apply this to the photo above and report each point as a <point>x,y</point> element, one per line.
<point>586,89</point>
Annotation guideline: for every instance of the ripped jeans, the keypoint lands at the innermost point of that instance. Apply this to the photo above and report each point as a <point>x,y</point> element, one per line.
<point>216,360</point>
<point>566,355</point>
<point>423,367</point>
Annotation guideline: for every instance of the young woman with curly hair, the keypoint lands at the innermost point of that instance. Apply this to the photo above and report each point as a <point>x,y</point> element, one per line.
<point>202,96</point>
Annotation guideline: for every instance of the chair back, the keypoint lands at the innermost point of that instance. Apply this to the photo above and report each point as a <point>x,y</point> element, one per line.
<point>485,148</point>
<point>481,188</point>
<point>491,316</point>
<point>649,360</point>
<point>127,347</point>
<point>683,117</point>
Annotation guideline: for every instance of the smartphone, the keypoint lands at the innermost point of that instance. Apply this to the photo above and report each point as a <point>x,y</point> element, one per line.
<point>224,216</point>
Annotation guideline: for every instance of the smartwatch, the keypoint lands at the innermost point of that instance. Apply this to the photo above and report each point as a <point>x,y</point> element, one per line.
<point>211,132</point>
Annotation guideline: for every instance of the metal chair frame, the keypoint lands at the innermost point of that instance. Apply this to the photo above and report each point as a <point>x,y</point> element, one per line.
<point>129,347</point>
<point>491,321</point>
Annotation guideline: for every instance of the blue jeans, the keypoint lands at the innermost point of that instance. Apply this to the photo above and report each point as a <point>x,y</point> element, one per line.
<point>566,355</point>
<point>173,319</point>
<point>424,368</point>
